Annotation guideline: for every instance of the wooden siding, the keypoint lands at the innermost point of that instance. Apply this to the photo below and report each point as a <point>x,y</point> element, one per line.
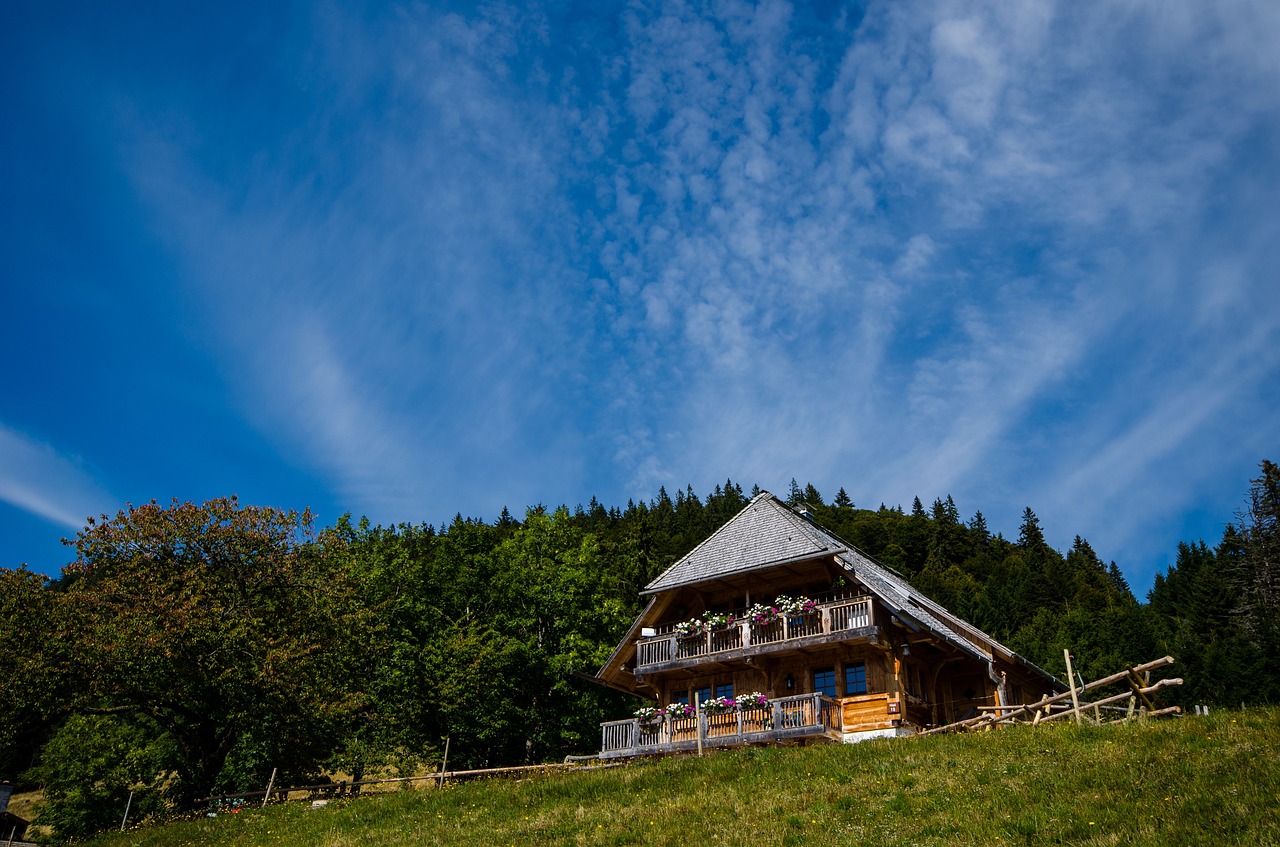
<point>867,711</point>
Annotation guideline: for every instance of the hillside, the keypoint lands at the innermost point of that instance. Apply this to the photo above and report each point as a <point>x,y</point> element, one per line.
<point>1212,781</point>
<point>219,642</point>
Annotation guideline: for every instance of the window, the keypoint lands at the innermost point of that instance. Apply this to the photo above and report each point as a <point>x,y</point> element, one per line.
<point>704,694</point>
<point>855,678</point>
<point>725,691</point>
<point>680,697</point>
<point>824,681</point>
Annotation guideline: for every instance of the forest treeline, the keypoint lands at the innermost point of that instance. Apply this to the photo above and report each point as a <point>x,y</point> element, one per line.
<point>191,649</point>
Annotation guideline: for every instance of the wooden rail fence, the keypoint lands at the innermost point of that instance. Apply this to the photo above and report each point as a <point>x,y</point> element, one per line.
<point>333,790</point>
<point>1140,691</point>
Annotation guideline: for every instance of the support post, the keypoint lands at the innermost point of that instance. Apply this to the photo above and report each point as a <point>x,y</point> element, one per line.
<point>1071,677</point>
<point>127,806</point>
<point>697,716</point>
<point>443,763</point>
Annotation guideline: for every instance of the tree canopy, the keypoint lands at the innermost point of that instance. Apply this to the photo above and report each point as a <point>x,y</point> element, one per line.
<point>191,648</point>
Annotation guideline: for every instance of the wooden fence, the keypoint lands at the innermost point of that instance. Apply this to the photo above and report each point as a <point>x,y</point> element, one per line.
<point>334,790</point>
<point>1056,707</point>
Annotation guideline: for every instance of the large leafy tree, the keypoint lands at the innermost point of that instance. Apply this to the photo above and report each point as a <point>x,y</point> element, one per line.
<point>229,628</point>
<point>28,683</point>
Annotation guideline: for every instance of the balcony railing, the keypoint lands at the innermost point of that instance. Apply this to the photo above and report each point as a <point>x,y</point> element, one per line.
<point>831,618</point>
<point>788,717</point>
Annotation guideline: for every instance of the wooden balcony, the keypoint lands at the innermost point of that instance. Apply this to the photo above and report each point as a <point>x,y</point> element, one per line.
<point>846,619</point>
<point>787,718</point>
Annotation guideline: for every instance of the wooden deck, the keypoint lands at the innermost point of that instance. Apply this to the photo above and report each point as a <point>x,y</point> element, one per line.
<point>842,620</point>
<point>787,718</point>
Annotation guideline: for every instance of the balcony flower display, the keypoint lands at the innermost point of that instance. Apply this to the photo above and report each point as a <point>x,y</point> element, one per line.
<point>717,705</point>
<point>755,698</point>
<point>650,715</point>
<point>689,629</point>
<point>714,622</point>
<point>762,615</point>
<point>680,710</point>
<point>797,605</point>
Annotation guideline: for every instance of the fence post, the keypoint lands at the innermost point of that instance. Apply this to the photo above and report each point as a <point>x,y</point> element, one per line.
<point>270,784</point>
<point>443,762</point>
<point>127,806</point>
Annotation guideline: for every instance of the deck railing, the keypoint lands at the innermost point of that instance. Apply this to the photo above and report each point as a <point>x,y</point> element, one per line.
<point>786,717</point>
<point>828,618</point>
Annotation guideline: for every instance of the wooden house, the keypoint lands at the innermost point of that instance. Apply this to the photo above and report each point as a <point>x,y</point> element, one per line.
<point>774,630</point>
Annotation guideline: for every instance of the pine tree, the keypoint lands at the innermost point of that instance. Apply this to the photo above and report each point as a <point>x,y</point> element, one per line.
<point>1030,536</point>
<point>978,524</point>
<point>1118,581</point>
<point>1259,529</point>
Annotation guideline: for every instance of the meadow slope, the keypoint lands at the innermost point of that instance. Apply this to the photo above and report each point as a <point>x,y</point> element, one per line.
<point>1211,780</point>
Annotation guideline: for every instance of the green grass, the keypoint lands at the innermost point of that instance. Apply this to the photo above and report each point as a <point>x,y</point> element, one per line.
<point>1212,781</point>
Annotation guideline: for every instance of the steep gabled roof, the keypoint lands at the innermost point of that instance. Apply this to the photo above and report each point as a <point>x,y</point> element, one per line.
<point>764,534</point>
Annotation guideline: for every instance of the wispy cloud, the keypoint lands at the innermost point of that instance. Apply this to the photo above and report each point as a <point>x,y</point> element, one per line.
<point>892,254</point>
<point>956,247</point>
<point>37,479</point>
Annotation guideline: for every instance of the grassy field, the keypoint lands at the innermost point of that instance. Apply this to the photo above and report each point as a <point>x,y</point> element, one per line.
<point>1200,780</point>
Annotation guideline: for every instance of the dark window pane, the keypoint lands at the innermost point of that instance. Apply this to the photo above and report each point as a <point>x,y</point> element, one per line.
<point>855,679</point>
<point>725,691</point>
<point>824,681</point>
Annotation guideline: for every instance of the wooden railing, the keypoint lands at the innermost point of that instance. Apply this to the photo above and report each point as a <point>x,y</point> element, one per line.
<point>786,717</point>
<point>827,619</point>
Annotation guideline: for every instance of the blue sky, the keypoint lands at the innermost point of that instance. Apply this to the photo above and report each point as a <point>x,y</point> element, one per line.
<point>409,260</point>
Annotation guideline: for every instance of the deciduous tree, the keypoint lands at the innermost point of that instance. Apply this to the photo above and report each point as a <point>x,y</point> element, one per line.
<point>230,628</point>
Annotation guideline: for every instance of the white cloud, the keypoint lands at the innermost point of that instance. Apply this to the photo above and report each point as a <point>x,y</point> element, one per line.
<point>37,479</point>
